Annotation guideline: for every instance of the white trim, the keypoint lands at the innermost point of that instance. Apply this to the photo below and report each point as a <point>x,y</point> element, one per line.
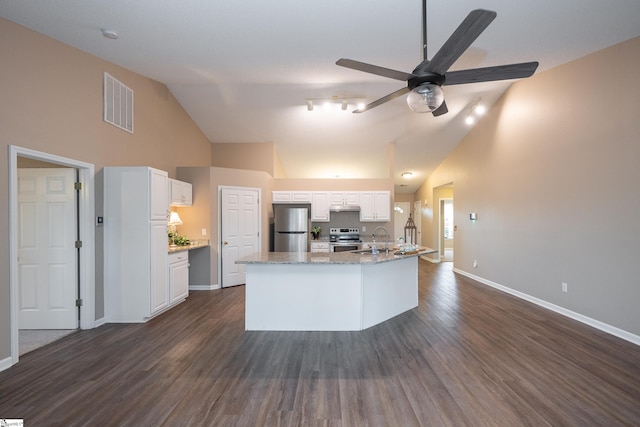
<point>219,242</point>
<point>203,287</point>
<point>87,234</point>
<point>440,228</point>
<point>5,363</point>
<point>428,258</point>
<point>100,322</point>
<point>620,333</point>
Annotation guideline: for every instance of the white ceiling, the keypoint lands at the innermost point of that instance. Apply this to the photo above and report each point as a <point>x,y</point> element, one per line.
<point>242,69</point>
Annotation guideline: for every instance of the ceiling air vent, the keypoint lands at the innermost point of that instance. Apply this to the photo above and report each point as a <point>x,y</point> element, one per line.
<point>118,104</point>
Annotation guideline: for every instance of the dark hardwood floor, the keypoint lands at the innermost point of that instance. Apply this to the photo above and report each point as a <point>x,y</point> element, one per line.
<point>469,355</point>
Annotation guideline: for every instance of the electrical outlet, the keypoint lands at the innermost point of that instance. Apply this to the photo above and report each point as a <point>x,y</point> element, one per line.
<point>204,231</point>
<point>565,287</point>
<point>475,263</point>
<point>364,228</point>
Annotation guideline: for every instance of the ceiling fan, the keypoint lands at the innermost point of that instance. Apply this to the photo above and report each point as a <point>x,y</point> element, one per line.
<point>425,82</point>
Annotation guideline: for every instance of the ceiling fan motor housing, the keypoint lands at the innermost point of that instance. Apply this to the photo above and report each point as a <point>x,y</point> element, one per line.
<point>421,74</point>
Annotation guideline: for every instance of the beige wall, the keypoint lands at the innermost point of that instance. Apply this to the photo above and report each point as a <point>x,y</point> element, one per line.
<point>52,102</point>
<point>552,172</point>
<point>204,213</point>
<point>248,156</point>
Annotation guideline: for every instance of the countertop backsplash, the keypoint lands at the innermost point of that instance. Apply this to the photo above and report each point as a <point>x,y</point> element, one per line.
<point>349,220</point>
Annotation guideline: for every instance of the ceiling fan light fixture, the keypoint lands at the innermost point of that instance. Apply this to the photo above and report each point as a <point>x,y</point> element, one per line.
<point>425,98</point>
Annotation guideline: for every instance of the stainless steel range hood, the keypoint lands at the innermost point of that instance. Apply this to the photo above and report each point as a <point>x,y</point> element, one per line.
<point>344,208</point>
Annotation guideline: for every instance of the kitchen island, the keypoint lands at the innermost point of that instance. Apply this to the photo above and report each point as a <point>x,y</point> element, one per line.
<point>336,291</point>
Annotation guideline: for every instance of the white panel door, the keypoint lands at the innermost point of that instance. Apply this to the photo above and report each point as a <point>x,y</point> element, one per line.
<point>47,261</point>
<point>240,225</point>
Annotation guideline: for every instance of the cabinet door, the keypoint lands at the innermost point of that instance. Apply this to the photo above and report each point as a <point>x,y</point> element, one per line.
<point>159,286</point>
<point>281,196</point>
<point>375,206</point>
<point>181,193</point>
<point>352,198</point>
<point>187,194</point>
<point>367,206</point>
<point>320,206</point>
<point>159,199</point>
<point>337,198</point>
<point>179,276</point>
<point>301,196</point>
<point>344,198</point>
<point>383,206</point>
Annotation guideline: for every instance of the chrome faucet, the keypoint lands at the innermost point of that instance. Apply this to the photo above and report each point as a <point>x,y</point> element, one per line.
<point>386,236</point>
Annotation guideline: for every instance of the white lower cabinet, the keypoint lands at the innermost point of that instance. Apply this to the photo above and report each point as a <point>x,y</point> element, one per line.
<point>319,246</point>
<point>178,276</point>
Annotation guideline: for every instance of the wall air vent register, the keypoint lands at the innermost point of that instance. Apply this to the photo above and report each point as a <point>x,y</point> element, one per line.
<point>118,103</point>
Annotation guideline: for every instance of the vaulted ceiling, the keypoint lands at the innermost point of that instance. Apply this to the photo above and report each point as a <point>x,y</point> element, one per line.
<point>244,69</point>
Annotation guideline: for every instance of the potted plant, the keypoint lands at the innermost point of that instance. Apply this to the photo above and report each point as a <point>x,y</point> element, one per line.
<point>315,231</point>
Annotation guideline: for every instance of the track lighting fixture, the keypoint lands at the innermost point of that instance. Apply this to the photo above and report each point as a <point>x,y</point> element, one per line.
<point>330,102</point>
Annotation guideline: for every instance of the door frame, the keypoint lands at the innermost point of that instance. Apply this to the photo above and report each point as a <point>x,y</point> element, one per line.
<point>86,206</point>
<point>441,227</point>
<point>219,240</point>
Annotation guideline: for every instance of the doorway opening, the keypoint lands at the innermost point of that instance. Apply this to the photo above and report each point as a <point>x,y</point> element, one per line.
<point>401,211</point>
<point>84,265</point>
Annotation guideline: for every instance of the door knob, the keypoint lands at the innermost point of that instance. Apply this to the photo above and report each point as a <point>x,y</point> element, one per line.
<point>225,242</point>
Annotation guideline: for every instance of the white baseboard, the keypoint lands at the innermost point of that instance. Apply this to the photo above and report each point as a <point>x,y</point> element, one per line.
<point>203,287</point>
<point>620,333</point>
<point>6,363</point>
<point>426,258</point>
<point>100,322</point>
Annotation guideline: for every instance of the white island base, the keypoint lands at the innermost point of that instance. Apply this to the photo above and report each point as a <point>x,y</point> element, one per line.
<point>320,296</point>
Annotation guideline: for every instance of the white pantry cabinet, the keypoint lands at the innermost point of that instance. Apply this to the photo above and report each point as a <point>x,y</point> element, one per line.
<point>180,193</point>
<point>135,243</point>
<point>375,206</point>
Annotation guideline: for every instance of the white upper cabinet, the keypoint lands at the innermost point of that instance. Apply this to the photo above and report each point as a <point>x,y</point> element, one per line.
<point>375,206</point>
<point>345,198</point>
<point>320,206</point>
<point>291,196</point>
<point>181,193</point>
<point>158,206</point>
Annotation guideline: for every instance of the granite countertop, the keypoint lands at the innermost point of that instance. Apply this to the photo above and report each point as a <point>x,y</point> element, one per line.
<point>194,244</point>
<point>327,257</point>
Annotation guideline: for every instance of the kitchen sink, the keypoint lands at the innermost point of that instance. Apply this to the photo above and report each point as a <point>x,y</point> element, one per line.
<point>367,251</point>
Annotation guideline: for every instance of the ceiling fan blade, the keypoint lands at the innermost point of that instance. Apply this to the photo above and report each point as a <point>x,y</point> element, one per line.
<point>382,100</point>
<point>374,69</point>
<point>469,30</point>
<point>488,74</point>
<point>442,109</point>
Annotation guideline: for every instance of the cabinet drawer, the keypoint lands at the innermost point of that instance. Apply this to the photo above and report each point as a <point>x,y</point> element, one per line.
<point>319,246</point>
<point>177,257</point>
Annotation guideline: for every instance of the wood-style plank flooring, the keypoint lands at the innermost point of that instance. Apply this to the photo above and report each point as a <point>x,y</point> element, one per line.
<point>469,355</point>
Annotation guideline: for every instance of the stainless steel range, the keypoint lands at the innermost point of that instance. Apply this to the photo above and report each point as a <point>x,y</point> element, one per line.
<point>344,239</point>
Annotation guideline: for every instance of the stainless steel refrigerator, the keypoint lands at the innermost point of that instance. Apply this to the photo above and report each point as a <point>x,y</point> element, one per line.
<point>291,228</point>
